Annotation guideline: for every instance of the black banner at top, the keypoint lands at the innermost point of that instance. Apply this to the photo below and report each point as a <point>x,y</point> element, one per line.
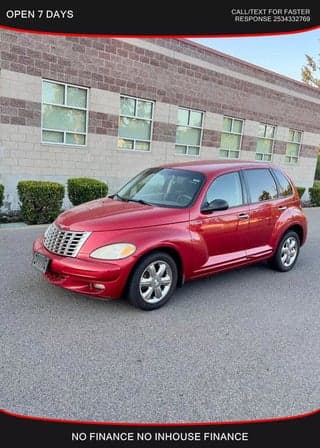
<point>121,19</point>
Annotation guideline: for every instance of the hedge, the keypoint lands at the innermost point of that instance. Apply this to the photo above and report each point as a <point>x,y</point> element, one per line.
<point>314,193</point>
<point>41,202</point>
<point>301,190</point>
<point>1,195</point>
<point>83,189</point>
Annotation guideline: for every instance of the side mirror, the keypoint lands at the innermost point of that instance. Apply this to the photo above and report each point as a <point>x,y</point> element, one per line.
<point>215,205</point>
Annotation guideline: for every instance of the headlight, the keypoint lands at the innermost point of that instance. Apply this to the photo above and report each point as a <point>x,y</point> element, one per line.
<point>114,251</point>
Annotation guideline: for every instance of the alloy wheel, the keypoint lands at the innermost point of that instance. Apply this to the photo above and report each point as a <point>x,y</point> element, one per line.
<point>289,251</point>
<point>155,281</point>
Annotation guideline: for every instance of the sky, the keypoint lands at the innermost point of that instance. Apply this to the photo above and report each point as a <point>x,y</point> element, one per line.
<point>283,54</point>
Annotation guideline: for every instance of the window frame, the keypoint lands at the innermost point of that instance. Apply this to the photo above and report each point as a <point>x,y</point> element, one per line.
<point>266,125</point>
<point>137,118</point>
<point>242,186</point>
<point>232,133</point>
<point>248,194</point>
<point>192,127</point>
<point>86,109</point>
<point>289,162</point>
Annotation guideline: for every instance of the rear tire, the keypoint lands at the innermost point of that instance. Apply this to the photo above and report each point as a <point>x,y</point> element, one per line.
<point>287,252</point>
<point>153,281</point>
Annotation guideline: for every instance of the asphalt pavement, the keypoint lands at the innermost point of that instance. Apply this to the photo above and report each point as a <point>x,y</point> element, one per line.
<point>238,345</point>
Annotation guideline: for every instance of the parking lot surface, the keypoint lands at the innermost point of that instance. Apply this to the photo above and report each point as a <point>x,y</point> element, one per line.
<point>239,345</point>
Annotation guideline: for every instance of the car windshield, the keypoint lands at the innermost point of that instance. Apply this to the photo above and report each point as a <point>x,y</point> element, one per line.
<point>165,187</point>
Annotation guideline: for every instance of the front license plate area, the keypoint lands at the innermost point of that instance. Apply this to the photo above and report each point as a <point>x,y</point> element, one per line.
<point>40,262</point>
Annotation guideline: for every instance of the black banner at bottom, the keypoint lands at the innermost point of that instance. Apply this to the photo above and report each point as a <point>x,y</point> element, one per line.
<point>23,431</point>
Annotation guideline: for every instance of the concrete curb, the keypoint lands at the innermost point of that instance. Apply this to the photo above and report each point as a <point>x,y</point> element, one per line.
<point>19,226</point>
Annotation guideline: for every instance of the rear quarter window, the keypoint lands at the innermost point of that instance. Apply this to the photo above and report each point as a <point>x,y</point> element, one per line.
<point>285,188</point>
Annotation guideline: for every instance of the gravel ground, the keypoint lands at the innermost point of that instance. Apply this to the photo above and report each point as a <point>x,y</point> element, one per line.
<point>236,346</point>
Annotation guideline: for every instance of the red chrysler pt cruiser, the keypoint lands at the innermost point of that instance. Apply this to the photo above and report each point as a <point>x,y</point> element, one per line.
<point>171,224</point>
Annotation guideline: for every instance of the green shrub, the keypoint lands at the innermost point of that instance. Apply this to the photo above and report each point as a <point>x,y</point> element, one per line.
<point>301,190</point>
<point>314,193</point>
<point>317,174</point>
<point>316,184</point>
<point>1,195</point>
<point>83,189</point>
<point>40,201</point>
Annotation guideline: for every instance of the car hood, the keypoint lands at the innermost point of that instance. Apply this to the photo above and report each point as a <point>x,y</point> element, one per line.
<point>109,214</point>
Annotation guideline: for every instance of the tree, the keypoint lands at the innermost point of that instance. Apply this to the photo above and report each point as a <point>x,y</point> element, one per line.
<point>309,72</point>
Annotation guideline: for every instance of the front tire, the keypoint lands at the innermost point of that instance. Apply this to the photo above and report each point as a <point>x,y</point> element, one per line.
<point>153,281</point>
<point>287,252</point>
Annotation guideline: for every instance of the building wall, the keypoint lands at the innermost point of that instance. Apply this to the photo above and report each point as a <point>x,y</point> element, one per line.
<point>173,73</point>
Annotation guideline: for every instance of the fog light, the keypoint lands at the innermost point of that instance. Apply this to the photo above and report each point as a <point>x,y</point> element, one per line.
<point>98,286</point>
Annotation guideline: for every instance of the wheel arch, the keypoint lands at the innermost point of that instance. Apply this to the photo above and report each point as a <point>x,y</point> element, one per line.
<point>296,228</point>
<point>276,261</point>
<point>168,250</point>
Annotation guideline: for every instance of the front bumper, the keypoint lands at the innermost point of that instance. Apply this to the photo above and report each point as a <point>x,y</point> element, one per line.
<point>81,275</point>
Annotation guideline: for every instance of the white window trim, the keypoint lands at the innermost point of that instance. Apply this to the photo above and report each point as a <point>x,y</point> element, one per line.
<point>137,118</point>
<point>193,127</point>
<point>86,109</point>
<point>232,133</point>
<point>267,138</point>
<point>297,157</point>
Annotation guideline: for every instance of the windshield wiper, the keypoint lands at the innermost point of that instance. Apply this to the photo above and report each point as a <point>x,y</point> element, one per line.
<point>117,196</point>
<point>140,201</point>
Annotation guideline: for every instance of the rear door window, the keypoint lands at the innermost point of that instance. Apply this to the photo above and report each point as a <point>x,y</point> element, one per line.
<point>261,184</point>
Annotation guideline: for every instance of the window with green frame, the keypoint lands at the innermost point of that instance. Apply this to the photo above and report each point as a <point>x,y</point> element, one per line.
<point>265,142</point>
<point>293,146</point>
<point>231,138</point>
<point>189,132</point>
<point>135,123</point>
<point>64,113</point>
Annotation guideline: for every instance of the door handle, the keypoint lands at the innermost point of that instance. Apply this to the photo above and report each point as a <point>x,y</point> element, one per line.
<point>243,216</point>
<point>282,207</point>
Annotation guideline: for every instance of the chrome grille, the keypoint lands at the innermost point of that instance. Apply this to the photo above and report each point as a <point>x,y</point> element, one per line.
<point>62,242</point>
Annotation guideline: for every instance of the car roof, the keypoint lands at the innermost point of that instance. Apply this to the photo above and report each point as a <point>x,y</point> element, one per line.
<point>218,166</point>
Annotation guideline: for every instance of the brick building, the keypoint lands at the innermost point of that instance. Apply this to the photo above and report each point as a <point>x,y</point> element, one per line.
<point>107,108</point>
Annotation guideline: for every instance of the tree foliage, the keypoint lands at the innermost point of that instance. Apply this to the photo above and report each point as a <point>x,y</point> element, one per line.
<point>309,72</point>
